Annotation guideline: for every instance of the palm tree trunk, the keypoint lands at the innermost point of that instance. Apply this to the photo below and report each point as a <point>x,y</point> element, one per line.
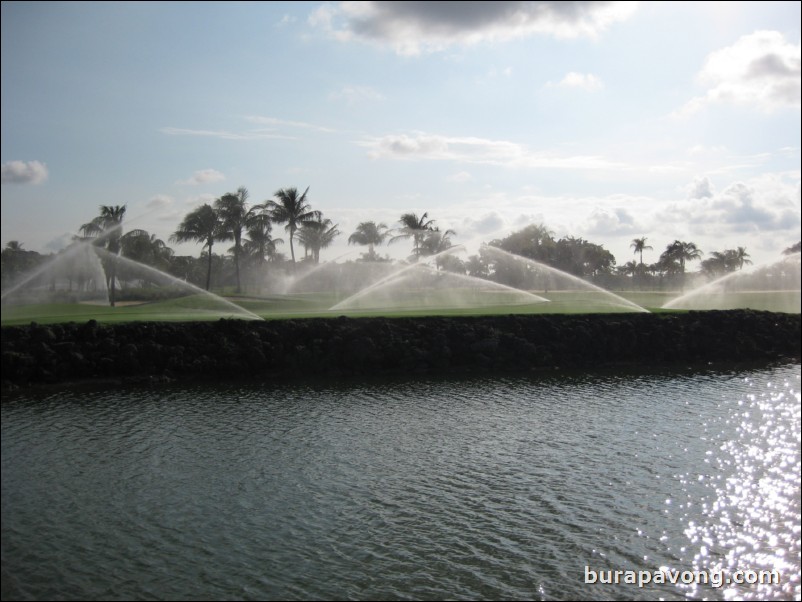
<point>236,267</point>
<point>292,249</point>
<point>641,275</point>
<point>113,278</point>
<point>209,269</point>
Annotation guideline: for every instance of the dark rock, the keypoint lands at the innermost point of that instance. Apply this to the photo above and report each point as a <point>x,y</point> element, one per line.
<point>355,346</point>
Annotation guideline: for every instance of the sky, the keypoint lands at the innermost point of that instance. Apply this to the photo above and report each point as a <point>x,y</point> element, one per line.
<point>602,120</point>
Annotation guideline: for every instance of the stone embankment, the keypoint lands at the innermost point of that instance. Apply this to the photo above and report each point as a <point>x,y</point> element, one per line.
<point>233,349</point>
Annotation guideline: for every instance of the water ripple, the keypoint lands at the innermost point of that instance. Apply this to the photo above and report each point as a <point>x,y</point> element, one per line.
<point>458,489</point>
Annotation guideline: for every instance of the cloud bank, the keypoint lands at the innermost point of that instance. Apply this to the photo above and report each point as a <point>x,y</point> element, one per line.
<point>412,28</point>
<point>466,149</point>
<point>24,172</point>
<point>160,201</point>
<point>203,176</point>
<point>768,204</point>
<point>700,188</point>
<point>761,69</point>
<point>225,134</point>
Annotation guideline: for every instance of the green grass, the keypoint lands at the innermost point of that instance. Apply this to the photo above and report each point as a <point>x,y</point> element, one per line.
<point>648,299</point>
<point>203,307</point>
<point>779,301</point>
<point>192,307</point>
<point>55,312</point>
<point>298,306</point>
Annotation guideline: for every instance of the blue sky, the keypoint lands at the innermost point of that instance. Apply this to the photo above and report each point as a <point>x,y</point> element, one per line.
<point>608,121</point>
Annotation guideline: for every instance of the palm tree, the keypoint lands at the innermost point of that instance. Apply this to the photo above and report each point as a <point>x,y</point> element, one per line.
<point>688,252</point>
<point>162,255</point>
<point>679,252</point>
<point>12,257</point>
<point>234,215</point>
<point>260,242</point>
<point>657,269</point>
<point>317,234</point>
<point>144,247</point>
<point>200,225</point>
<point>718,264</point>
<point>16,260</point>
<point>369,233</point>
<point>415,227</point>
<point>107,230</point>
<point>435,241</point>
<point>741,257</point>
<point>630,268</point>
<point>291,209</point>
<point>639,245</point>
<point>258,245</point>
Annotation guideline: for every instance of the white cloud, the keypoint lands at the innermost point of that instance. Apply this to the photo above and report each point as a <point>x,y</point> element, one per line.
<point>614,221</point>
<point>60,242</point>
<point>356,94</point>
<point>415,27</point>
<point>769,203</point>
<point>226,135</point>
<point>203,176</point>
<point>286,20</point>
<point>259,133</point>
<point>323,16</point>
<point>761,214</point>
<point>505,72</point>
<point>489,223</point>
<point>700,188</point>
<point>166,211</point>
<point>422,146</point>
<point>761,69</point>
<point>24,172</point>
<point>740,206</point>
<point>494,73</point>
<point>701,149</point>
<point>272,121</point>
<point>526,219</point>
<point>160,201</point>
<point>585,81</point>
<point>459,177</point>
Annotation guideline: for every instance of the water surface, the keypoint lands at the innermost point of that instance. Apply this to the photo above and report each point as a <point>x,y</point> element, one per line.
<point>405,489</point>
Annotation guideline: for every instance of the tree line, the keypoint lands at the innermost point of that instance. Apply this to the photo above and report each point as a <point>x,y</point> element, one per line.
<point>231,218</point>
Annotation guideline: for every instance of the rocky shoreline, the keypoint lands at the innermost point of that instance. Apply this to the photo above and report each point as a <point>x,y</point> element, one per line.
<point>235,349</point>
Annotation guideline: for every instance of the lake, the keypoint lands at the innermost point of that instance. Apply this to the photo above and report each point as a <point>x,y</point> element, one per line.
<point>490,488</point>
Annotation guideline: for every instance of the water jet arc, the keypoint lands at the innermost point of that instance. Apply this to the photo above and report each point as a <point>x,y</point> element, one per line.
<point>419,286</point>
<point>239,311</point>
<point>135,271</point>
<point>539,276</point>
<point>770,286</point>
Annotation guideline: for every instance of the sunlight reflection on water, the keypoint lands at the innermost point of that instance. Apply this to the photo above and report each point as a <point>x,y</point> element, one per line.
<point>750,520</point>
